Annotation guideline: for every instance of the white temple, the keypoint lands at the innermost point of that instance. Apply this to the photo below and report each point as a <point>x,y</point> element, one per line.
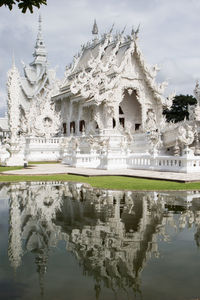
<point>106,113</point>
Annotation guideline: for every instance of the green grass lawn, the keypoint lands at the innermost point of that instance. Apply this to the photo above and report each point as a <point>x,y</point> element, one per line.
<point>108,182</point>
<point>3,169</point>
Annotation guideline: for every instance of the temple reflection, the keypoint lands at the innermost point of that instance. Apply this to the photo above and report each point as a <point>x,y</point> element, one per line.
<point>112,234</point>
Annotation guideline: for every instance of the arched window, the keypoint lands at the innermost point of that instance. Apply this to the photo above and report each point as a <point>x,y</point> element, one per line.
<point>81,125</point>
<point>114,123</point>
<point>121,118</point>
<point>122,122</point>
<point>137,126</point>
<point>120,111</point>
<point>47,121</point>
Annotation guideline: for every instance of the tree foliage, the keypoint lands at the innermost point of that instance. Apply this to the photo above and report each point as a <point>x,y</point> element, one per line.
<point>23,4</point>
<point>179,108</point>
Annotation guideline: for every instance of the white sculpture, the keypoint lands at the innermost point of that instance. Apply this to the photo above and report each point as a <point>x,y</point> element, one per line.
<point>105,113</point>
<point>29,97</point>
<point>186,135</point>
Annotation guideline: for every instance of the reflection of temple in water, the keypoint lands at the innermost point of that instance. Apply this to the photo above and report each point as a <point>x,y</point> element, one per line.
<point>111,233</point>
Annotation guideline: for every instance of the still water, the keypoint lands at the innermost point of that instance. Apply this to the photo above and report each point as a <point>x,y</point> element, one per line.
<point>67,241</point>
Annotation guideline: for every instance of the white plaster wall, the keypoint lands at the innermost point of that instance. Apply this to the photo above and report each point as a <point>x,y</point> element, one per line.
<point>64,110</point>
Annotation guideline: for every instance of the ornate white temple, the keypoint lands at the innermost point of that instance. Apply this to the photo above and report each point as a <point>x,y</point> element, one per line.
<point>106,113</point>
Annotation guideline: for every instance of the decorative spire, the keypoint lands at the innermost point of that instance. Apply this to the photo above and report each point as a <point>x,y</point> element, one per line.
<point>111,29</point>
<point>40,23</point>
<point>40,52</point>
<point>134,33</point>
<point>41,263</point>
<point>123,30</point>
<point>197,84</point>
<point>95,28</point>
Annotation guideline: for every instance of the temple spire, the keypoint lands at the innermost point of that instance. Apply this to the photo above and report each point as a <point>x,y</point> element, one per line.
<point>134,32</point>
<point>40,52</point>
<point>95,28</point>
<point>40,23</point>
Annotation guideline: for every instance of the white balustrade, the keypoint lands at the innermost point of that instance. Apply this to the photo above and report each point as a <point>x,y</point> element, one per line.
<point>165,163</point>
<point>50,149</point>
<point>38,149</point>
<point>82,160</point>
<point>134,161</point>
<point>43,140</point>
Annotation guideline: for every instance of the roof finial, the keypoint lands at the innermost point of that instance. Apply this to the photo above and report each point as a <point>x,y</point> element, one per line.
<point>95,28</point>
<point>111,29</point>
<point>123,30</point>
<point>134,33</point>
<point>40,53</point>
<point>40,22</point>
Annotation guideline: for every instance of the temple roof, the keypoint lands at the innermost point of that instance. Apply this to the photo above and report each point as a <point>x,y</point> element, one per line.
<point>36,74</point>
<point>101,63</point>
<point>32,90</point>
<point>92,51</point>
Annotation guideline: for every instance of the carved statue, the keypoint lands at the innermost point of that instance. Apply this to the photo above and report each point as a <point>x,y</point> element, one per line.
<point>151,121</point>
<point>186,135</point>
<point>155,141</point>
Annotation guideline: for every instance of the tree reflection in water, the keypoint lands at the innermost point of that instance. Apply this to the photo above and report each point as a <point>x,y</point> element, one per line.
<point>112,234</point>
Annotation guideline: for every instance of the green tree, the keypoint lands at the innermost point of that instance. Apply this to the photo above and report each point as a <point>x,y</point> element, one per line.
<point>23,4</point>
<point>179,108</point>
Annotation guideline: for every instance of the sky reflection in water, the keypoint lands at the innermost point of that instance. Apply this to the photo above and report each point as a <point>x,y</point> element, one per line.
<point>68,241</point>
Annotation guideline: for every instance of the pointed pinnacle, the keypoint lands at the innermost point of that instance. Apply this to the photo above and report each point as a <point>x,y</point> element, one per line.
<point>95,28</point>
<point>123,30</point>
<point>40,21</point>
<point>134,32</point>
<point>111,29</point>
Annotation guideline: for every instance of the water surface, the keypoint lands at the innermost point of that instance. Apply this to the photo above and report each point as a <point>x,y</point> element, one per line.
<point>69,241</point>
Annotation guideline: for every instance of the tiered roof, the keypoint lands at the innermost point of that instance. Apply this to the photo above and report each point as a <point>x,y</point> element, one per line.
<point>36,74</point>
<point>101,63</point>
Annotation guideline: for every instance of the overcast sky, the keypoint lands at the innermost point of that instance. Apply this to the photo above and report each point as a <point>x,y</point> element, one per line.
<point>169,35</point>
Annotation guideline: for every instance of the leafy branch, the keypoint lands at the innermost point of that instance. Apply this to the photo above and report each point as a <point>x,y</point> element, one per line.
<point>23,4</point>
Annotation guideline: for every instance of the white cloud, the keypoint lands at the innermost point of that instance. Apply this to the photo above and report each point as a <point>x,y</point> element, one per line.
<point>169,34</point>
<point>3,98</point>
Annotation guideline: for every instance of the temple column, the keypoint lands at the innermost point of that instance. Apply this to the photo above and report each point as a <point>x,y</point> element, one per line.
<point>69,119</point>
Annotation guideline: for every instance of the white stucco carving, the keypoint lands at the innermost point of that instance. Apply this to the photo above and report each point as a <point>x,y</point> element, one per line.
<point>105,113</point>
<point>13,86</point>
<point>30,109</point>
<point>186,135</point>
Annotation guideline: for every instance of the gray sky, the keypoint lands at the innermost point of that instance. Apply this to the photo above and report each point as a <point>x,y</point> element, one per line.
<point>169,35</point>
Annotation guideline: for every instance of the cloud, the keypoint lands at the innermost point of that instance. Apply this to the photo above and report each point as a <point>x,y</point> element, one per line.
<point>3,98</point>
<point>168,35</point>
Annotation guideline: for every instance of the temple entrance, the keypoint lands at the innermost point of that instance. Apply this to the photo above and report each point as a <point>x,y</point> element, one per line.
<point>72,127</point>
<point>130,114</point>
